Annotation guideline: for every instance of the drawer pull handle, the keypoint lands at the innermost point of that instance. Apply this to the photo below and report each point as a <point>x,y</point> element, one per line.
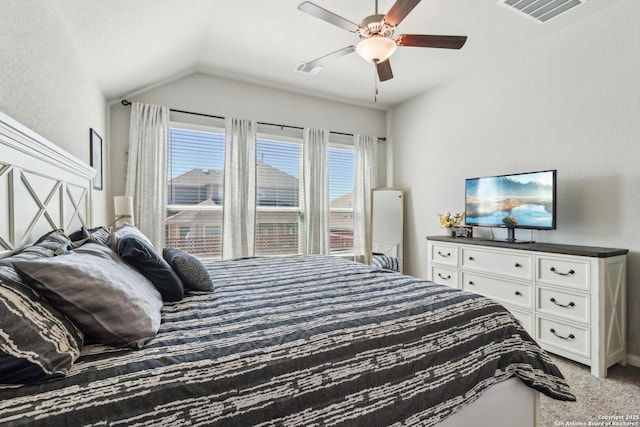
<point>571,303</point>
<point>517,293</point>
<point>445,278</point>
<point>470,258</point>
<point>517,265</point>
<point>471,282</point>
<point>448,254</point>
<point>570,337</point>
<point>568,273</point>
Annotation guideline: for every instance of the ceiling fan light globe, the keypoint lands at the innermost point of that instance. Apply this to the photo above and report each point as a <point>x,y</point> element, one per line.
<point>376,49</point>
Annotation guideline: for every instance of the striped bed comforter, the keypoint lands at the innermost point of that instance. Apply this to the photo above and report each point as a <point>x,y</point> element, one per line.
<point>385,262</point>
<point>304,340</point>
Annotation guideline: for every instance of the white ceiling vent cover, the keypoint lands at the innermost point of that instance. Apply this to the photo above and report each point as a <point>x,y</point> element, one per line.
<point>306,69</point>
<point>541,10</point>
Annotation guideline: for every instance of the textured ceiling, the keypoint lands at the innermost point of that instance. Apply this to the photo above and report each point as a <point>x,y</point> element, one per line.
<point>129,45</point>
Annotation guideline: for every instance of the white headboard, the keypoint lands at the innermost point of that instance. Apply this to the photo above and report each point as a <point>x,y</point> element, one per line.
<point>42,187</point>
<point>384,248</point>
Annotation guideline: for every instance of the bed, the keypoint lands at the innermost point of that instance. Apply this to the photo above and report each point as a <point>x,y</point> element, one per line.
<point>299,340</point>
<point>384,255</point>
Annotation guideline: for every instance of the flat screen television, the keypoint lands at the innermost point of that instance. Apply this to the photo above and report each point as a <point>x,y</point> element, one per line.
<point>521,200</point>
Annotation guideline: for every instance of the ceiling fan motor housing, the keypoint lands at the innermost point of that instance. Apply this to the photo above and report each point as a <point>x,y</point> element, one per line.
<point>374,25</point>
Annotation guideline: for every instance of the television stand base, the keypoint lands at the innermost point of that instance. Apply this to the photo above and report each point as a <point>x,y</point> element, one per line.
<point>511,237</point>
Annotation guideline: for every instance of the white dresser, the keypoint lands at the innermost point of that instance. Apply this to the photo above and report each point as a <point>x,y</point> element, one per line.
<point>571,299</point>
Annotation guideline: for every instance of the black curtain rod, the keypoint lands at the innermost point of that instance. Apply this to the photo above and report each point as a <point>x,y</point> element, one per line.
<point>127,103</point>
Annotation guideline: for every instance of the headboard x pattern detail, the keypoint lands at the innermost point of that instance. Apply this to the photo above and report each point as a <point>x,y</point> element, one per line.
<point>41,187</point>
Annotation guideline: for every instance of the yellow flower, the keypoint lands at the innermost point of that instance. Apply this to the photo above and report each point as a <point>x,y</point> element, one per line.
<point>449,220</point>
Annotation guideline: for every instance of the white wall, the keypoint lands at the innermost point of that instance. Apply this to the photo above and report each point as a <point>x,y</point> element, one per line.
<point>44,85</point>
<point>229,98</point>
<point>570,102</point>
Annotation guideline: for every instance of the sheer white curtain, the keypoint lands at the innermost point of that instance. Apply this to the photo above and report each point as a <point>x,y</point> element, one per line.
<point>316,191</point>
<point>147,168</point>
<point>239,206</point>
<point>365,151</point>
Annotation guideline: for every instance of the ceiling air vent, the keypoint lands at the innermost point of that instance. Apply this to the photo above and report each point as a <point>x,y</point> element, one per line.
<point>541,10</point>
<point>307,69</point>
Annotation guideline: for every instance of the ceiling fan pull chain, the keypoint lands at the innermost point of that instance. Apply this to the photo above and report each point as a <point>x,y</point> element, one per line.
<point>375,86</point>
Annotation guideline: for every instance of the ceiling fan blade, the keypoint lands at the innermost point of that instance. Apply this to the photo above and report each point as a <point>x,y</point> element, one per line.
<point>323,59</point>
<point>424,40</point>
<point>330,17</point>
<point>399,11</point>
<point>384,70</point>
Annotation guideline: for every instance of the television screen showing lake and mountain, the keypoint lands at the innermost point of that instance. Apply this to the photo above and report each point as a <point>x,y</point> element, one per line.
<point>525,200</point>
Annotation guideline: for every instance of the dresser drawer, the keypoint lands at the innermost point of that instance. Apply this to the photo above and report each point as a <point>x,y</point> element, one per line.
<point>444,254</point>
<point>569,305</point>
<point>444,276</point>
<point>567,337</point>
<point>511,264</point>
<point>571,272</point>
<point>500,290</point>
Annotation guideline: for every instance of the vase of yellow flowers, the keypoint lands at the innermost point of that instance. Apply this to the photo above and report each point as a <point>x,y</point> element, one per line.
<point>453,222</point>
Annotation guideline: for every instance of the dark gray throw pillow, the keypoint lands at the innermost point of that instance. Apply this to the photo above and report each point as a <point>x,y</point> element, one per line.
<point>191,271</point>
<point>136,249</point>
<point>37,342</point>
<point>107,299</point>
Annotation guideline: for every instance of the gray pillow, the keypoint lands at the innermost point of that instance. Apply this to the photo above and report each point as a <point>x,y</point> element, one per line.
<point>191,271</point>
<point>37,343</point>
<point>107,299</point>
<point>126,230</point>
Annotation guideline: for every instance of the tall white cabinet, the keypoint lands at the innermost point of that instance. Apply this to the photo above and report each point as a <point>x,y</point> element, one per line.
<point>571,299</point>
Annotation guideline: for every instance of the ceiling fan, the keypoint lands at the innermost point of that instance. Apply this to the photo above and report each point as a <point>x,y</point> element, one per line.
<point>376,32</point>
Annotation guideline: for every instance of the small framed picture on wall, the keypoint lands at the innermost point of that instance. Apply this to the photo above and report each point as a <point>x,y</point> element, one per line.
<point>95,142</point>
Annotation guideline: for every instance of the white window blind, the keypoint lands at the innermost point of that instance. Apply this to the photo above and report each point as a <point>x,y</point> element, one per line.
<point>195,194</point>
<point>195,173</point>
<point>341,172</point>
<point>278,216</point>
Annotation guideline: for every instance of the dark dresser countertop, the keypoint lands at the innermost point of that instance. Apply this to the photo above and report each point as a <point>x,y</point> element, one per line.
<point>589,251</point>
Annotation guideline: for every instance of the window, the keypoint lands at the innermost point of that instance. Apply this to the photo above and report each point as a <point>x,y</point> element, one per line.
<point>279,204</point>
<point>195,172</point>
<point>341,172</point>
<point>196,184</point>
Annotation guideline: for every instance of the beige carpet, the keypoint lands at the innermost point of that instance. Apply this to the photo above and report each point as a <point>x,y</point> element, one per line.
<point>598,398</point>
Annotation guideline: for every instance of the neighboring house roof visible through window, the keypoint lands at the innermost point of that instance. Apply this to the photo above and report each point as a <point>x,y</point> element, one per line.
<point>277,188</point>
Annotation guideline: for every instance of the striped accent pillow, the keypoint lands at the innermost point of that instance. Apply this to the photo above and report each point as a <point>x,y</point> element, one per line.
<point>46,246</point>
<point>52,243</point>
<point>97,234</point>
<point>37,342</point>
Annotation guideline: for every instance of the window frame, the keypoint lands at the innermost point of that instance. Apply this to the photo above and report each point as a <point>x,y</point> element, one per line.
<point>335,142</point>
<point>285,139</point>
<point>190,207</point>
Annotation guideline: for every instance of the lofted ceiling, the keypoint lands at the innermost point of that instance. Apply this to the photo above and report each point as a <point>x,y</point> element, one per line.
<point>129,45</point>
